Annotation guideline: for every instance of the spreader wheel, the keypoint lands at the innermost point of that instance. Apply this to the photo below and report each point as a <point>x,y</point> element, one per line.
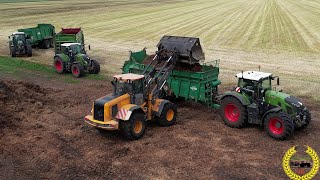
<point>168,116</point>
<point>59,65</point>
<point>46,44</point>
<point>233,112</point>
<point>135,127</point>
<point>77,70</point>
<point>278,125</point>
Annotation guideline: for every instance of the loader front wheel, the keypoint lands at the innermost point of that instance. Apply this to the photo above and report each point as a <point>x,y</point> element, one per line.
<point>233,112</point>
<point>168,115</point>
<point>77,70</point>
<point>134,128</point>
<point>279,125</point>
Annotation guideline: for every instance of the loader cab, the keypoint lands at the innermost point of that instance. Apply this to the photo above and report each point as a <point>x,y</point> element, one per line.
<point>132,84</point>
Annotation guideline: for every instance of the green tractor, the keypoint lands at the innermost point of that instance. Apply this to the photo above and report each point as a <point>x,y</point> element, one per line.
<point>73,58</point>
<point>254,101</point>
<point>20,44</point>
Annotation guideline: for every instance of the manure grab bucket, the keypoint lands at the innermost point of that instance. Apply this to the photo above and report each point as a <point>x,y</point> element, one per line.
<point>188,48</point>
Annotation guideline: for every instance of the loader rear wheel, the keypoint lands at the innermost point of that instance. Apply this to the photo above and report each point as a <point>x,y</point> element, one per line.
<point>278,125</point>
<point>95,67</point>
<point>233,112</point>
<point>135,127</point>
<point>307,120</point>
<point>59,65</point>
<point>168,116</point>
<point>77,70</point>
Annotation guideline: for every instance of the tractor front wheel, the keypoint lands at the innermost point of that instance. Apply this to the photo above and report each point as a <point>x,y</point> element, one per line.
<point>278,125</point>
<point>135,127</point>
<point>13,52</point>
<point>29,51</point>
<point>77,70</point>
<point>307,117</point>
<point>168,115</point>
<point>95,67</point>
<point>59,65</point>
<point>233,112</point>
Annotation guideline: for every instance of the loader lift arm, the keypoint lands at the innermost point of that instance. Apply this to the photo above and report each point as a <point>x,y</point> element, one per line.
<point>162,65</point>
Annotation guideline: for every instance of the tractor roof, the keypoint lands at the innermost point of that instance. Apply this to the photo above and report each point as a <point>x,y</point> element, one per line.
<point>69,44</point>
<point>128,76</point>
<point>253,75</point>
<point>17,33</point>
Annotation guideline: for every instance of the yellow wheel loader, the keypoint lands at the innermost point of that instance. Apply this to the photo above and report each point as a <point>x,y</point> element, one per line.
<point>135,100</point>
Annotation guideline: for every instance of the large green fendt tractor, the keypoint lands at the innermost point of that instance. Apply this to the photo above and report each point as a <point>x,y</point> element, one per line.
<point>73,58</point>
<point>20,44</point>
<point>254,101</point>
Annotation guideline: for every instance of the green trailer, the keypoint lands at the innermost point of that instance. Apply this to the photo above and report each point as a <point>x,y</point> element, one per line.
<point>41,36</point>
<point>201,86</point>
<point>68,35</point>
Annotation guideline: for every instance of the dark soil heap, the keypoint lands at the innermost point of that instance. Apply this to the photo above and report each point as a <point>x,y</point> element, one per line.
<point>17,100</point>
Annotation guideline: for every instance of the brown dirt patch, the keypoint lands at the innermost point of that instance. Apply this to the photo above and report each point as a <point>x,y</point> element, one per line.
<point>52,141</point>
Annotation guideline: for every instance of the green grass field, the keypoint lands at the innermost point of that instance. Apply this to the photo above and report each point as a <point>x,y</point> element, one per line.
<point>282,36</point>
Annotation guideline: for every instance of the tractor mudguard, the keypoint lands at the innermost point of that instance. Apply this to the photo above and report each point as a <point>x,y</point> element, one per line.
<point>125,111</point>
<point>63,57</point>
<point>158,106</point>
<point>276,109</point>
<point>237,95</point>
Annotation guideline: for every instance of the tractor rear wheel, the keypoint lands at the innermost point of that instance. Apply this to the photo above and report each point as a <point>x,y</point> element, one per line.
<point>168,115</point>
<point>278,125</point>
<point>135,127</point>
<point>46,44</point>
<point>77,70</point>
<point>233,112</point>
<point>59,65</point>
<point>307,120</point>
<point>95,67</point>
<point>29,51</point>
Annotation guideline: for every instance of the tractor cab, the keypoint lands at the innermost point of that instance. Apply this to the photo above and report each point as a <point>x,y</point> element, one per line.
<point>255,83</point>
<point>72,49</point>
<point>18,36</point>
<point>132,84</point>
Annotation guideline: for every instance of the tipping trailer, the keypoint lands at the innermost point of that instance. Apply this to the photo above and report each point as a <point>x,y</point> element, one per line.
<point>68,35</point>
<point>200,85</point>
<point>41,36</point>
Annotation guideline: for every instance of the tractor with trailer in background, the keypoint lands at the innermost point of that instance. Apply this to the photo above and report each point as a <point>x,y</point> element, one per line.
<point>20,44</point>
<point>135,100</point>
<point>70,54</point>
<point>254,101</point>
<point>41,36</point>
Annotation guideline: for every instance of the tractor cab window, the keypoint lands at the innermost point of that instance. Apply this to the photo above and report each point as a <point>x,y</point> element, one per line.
<point>76,49</point>
<point>265,84</point>
<point>19,37</point>
<point>246,83</point>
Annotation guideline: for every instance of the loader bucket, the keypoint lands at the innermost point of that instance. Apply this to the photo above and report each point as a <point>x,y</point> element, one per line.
<point>189,48</point>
